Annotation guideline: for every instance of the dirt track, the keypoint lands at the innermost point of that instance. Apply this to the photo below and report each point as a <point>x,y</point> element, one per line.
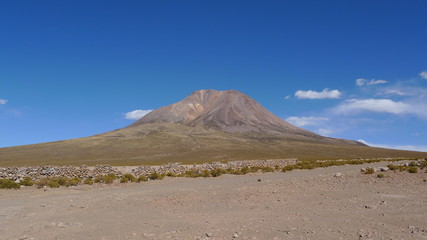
<point>303,204</point>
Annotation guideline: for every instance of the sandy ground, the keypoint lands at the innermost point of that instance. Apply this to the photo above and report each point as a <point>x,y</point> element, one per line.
<point>303,204</point>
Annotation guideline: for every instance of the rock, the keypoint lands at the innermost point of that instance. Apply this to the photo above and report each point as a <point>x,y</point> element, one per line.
<point>148,235</point>
<point>337,175</point>
<point>259,179</point>
<point>384,169</point>
<point>235,235</point>
<point>61,225</point>
<point>370,206</point>
<point>209,234</point>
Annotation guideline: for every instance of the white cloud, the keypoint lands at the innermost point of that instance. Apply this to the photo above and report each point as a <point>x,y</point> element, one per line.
<point>360,81</point>
<point>326,93</point>
<point>136,114</point>
<point>363,81</point>
<point>324,132</point>
<point>287,97</point>
<point>423,75</point>
<point>419,148</point>
<point>374,105</point>
<point>414,92</point>
<point>354,106</point>
<point>306,121</point>
<point>396,92</point>
<point>3,101</point>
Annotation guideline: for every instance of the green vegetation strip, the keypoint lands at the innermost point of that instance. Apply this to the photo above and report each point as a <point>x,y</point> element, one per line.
<point>56,182</point>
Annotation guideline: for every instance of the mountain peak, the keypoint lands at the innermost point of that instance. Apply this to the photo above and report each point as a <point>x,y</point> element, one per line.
<point>229,111</point>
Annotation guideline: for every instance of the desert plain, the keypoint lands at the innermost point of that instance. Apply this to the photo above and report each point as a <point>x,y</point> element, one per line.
<point>326,203</point>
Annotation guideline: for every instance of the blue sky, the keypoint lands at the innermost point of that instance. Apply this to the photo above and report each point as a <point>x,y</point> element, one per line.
<point>347,69</point>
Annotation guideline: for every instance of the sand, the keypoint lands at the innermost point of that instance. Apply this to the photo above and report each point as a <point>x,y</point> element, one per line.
<point>303,204</point>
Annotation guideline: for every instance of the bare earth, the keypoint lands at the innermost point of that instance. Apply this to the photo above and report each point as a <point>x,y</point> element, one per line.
<point>303,204</point>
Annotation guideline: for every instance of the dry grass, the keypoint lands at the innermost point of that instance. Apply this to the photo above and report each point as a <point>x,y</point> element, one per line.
<point>163,143</point>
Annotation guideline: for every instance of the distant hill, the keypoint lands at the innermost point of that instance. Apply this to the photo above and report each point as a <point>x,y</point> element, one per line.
<point>208,125</point>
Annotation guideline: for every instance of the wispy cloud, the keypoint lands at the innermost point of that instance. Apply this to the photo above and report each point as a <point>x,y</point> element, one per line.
<point>396,92</point>
<point>3,101</point>
<point>363,81</point>
<point>355,106</point>
<point>374,105</point>
<point>423,74</point>
<point>306,121</point>
<point>324,132</point>
<point>136,114</point>
<point>419,148</point>
<point>402,90</point>
<point>310,94</point>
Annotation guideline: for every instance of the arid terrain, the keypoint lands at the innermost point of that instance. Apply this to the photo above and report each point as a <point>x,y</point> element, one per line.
<point>206,126</point>
<point>302,204</point>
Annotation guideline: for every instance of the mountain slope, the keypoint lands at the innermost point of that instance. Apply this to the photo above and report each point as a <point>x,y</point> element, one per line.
<point>229,111</point>
<point>206,126</point>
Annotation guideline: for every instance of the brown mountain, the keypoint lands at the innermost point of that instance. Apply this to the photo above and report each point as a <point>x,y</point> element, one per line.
<point>229,111</point>
<point>208,125</point>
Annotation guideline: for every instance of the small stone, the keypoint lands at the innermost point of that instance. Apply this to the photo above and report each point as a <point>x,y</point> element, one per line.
<point>338,174</point>
<point>370,207</point>
<point>209,234</point>
<point>148,235</point>
<point>384,169</point>
<point>259,179</point>
<point>235,235</point>
<point>62,225</point>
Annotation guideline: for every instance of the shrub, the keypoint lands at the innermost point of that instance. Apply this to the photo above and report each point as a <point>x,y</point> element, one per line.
<point>62,181</point>
<point>109,178</point>
<point>124,180</point>
<point>53,183</point>
<point>130,177</point>
<point>235,172</point>
<point>73,181</point>
<point>142,179</point>
<point>380,175</point>
<point>288,168</point>
<point>42,182</point>
<point>369,171</point>
<point>170,174</point>
<point>412,170</point>
<point>27,181</point>
<point>155,175</point>
<point>392,167</point>
<point>412,164</point>
<point>267,169</point>
<point>244,170</point>
<point>190,173</point>
<point>98,179</point>
<point>205,173</point>
<point>9,184</point>
<point>88,181</point>
<point>218,172</point>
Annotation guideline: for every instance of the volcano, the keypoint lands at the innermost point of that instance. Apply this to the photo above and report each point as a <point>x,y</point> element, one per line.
<point>206,126</point>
